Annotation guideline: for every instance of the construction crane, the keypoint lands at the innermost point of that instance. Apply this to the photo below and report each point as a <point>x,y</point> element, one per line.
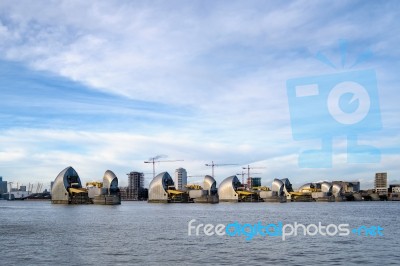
<point>243,174</point>
<point>220,164</point>
<point>248,170</point>
<point>155,160</point>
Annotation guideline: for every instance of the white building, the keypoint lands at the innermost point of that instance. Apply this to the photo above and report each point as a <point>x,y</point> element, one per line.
<point>180,179</point>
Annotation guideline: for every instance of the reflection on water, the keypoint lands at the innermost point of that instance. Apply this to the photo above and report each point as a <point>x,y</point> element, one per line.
<point>157,234</point>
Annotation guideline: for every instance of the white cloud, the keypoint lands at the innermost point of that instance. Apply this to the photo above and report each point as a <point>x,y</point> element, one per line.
<point>42,154</point>
<point>227,63</point>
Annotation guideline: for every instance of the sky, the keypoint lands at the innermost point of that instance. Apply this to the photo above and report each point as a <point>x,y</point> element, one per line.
<point>101,85</point>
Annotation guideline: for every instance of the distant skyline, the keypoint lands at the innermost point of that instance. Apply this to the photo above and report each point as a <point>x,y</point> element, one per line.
<point>100,85</point>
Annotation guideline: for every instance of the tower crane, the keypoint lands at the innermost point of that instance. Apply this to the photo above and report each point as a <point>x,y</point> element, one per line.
<point>243,174</point>
<point>154,160</point>
<point>248,170</point>
<point>220,164</point>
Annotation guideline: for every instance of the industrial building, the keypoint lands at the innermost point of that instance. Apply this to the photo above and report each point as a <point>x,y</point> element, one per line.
<point>14,193</point>
<point>19,193</point>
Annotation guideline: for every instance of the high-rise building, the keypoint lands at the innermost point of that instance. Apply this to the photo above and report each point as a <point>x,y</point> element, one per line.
<point>3,186</point>
<point>135,185</point>
<point>180,179</point>
<point>381,184</point>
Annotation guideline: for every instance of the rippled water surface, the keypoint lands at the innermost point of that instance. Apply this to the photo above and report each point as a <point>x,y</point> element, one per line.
<point>39,233</point>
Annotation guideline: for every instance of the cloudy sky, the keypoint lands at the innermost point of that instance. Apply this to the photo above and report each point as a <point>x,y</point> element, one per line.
<point>108,84</point>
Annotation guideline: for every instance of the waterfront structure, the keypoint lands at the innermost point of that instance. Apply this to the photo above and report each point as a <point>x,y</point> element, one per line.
<point>19,192</point>
<point>287,185</point>
<point>206,194</point>
<point>324,192</point>
<point>67,188</point>
<point>394,192</point>
<point>381,184</point>
<point>394,188</point>
<point>349,187</point>
<point>231,190</point>
<point>159,186</point>
<point>13,193</point>
<point>338,192</point>
<point>227,190</point>
<point>210,184</point>
<point>110,194</point>
<point>180,179</point>
<point>94,189</point>
<point>277,192</point>
<point>320,191</point>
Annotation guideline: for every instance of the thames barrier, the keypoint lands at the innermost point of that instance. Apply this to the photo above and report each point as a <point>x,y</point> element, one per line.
<point>67,189</point>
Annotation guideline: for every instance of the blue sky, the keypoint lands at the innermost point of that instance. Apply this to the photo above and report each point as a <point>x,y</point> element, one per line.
<point>108,84</point>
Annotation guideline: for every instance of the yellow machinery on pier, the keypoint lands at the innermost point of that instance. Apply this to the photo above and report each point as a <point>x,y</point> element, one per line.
<point>304,194</point>
<point>94,184</point>
<point>262,188</point>
<point>177,195</point>
<point>193,186</point>
<point>247,196</point>
<point>244,194</point>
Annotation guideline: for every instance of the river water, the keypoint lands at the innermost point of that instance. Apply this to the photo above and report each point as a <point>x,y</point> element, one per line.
<point>139,233</point>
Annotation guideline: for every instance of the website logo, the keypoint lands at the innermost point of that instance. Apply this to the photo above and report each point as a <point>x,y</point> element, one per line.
<point>342,103</point>
<point>283,231</point>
